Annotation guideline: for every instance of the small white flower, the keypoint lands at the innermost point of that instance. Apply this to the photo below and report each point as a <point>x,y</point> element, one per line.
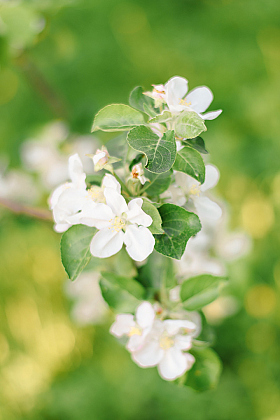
<point>137,173</point>
<point>119,223</point>
<point>158,94</point>
<point>197,100</point>
<point>188,188</point>
<point>137,329</point>
<point>100,158</point>
<point>165,348</point>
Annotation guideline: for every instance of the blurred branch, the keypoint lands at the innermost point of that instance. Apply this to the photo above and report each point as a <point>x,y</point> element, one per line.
<point>41,86</point>
<point>27,210</point>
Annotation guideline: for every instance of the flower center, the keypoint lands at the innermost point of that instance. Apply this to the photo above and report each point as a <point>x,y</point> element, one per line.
<point>96,194</point>
<point>195,190</point>
<point>185,103</point>
<point>117,224</point>
<point>166,342</point>
<point>135,331</point>
<point>134,173</point>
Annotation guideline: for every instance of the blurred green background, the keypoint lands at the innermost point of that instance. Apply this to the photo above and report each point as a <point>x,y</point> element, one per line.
<point>67,59</point>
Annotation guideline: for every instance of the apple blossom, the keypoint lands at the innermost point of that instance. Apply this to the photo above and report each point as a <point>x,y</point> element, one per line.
<point>137,329</point>
<point>137,173</point>
<point>165,348</point>
<point>119,223</point>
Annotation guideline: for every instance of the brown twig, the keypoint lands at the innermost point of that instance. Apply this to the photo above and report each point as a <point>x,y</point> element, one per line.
<point>18,208</point>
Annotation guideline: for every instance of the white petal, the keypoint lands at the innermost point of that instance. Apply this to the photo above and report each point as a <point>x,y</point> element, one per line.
<point>76,171</point>
<point>115,201</point>
<point>122,325</point>
<point>190,360</point>
<point>149,355</point>
<point>211,115</point>
<point>57,193</point>
<point>96,214</point>
<point>106,243</point>
<point>173,364</point>
<point>212,176</point>
<point>145,315</point>
<point>135,342</point>
<point>109,181</point>
<point>176,89</point>
<point>136,215</point>
<point>183,342</point>
<point>206,208</point>
<point>139,242</point>
<point>61,227</point>
<point>173,326</point>
<point>200,98</point>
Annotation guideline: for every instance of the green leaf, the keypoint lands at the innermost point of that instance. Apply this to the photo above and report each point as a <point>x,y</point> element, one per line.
<point>136,160</point>
<point>197,143</point>
<point>158,272</point>
<point>189,125</point>
<point>141,102</point>
<point>179,225</point>
<point>190,162</point>
<point>117,117</point>
<point>206,370</point>
<point>152,211</point>
<point>160,152</point>
<point>121,293</point>
<point>161,118</point>
<point>158,183</point>
<point>199,291</point>
<point>75,253</point>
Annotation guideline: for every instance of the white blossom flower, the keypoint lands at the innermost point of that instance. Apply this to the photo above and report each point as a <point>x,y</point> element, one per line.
<point>68,200</point>
<point>137,329</point>
<point>197,100</point>
<point>165,348</point>
<point>158,94</point>
<point>119,223</point>
<point>187,188</point>
<point>137,173</point>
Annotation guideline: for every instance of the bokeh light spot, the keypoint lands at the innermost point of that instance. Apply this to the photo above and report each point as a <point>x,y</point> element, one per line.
<point>260,301</point>
<point>257,216</point>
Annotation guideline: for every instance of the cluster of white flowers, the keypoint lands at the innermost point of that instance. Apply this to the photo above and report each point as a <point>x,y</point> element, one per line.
<point>175,95</point>
<point>156,342</point>
<point>106,209</point>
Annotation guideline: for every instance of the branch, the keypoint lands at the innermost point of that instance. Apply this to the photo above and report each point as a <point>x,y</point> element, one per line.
<point>27,210</point>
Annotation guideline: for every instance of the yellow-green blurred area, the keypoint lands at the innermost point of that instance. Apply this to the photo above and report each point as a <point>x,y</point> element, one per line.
<point>67,60</point>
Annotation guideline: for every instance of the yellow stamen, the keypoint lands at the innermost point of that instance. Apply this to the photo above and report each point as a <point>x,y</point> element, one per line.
<point>195,190</point>
<point>117,224</point>
<point>166,342</point>
<point>135,331</point>
<point>185,103</point>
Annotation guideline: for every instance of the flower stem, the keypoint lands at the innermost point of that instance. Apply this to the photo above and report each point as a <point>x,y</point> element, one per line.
<point>27,210</point>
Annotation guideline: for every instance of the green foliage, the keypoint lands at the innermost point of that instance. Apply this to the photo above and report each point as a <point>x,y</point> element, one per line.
<point>160,152</point>
<point>121,293</point>
<point>158,273</point>
<point>158,183</point>
<point>190,162</point>
<point>152,211</point>
<point>199,291</point>
<point>141,102</point>
<point>117,117</point>
<point>178,225</point>
<point>189,125</point>
<point>197,143</point>
<point>75,252</point>
<point>206,370</point>
<point>162,118</point>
